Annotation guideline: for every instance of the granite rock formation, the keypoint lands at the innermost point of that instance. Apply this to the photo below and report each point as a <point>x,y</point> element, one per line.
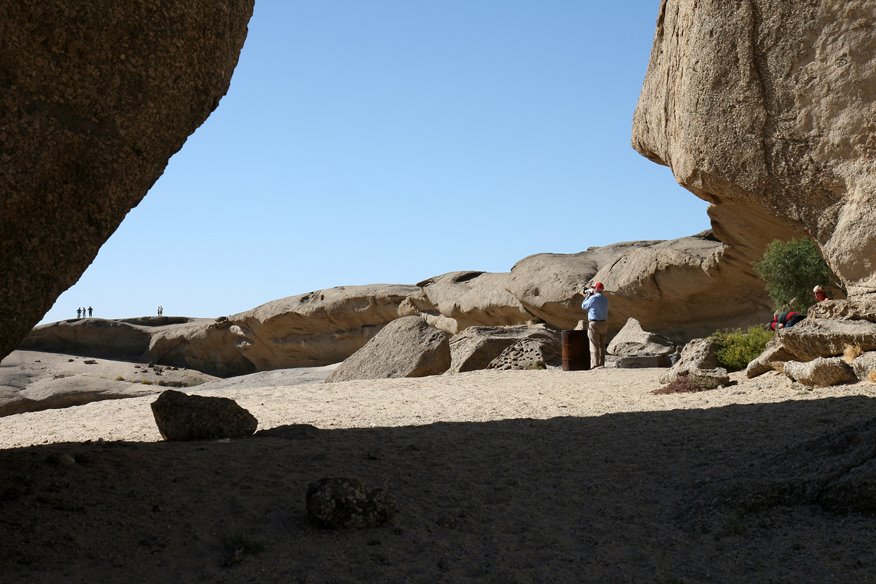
<point>829,330</point>
<point>472,299</point>
<point>181,417</point>
<point>343,503</point>
<point>95,97</point>
<point>318,328</point>
<point>632,340</point>
<point>697,355</point>
<point>680,289</point>
<point>307,330</point>
<point>478,346</point>
<point>767,110</point>
<point>530,353</point>
<point>820,372</point>
<point>406,347</point>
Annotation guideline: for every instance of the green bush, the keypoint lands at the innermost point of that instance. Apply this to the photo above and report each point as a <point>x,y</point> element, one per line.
<point>737,348</point>
<point>790,269</point>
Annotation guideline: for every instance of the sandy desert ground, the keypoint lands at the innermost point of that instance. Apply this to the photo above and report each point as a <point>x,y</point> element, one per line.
<point>517,476</point>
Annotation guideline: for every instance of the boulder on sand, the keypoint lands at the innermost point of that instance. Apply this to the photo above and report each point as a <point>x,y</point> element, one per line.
<point>182,417</point>
<point>406,347</point>
<point>476,347</point>
<point>636,347</point>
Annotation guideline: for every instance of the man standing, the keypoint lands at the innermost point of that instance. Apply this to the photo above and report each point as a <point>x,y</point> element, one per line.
<point>596,306</point>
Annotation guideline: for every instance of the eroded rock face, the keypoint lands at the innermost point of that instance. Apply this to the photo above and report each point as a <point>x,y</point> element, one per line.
<point>318,328</point>
<point>531,353</point>
<point>699,354</point>
<point>474,298</point>
<point>478,346</point>
<point>767,109</point>
<point>680,289</point>
<point>818,337</point>
<point>95,97</point>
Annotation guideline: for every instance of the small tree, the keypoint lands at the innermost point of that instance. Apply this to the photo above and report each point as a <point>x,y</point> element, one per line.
<point>790,269</point>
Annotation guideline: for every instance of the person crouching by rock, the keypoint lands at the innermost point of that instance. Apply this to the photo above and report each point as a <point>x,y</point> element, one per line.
<point>596,306</point>
<point>785,319</point>
<point>820,296</point>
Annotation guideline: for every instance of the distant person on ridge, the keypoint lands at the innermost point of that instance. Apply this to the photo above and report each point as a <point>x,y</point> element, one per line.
<point>596,306</point>
<point>78,313</point>
<point>89,312</point>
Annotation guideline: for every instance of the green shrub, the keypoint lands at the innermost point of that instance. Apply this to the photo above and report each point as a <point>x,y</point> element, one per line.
<point>790,269</point>
<point>737,348</point>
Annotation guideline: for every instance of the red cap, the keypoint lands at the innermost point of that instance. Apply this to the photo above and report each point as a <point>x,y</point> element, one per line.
<point>599,287</point>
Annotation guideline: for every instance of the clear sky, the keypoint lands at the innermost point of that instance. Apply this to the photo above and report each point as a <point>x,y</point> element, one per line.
<point>387,141</point>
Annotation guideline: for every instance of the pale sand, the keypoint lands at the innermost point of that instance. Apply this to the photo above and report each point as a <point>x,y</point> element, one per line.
<point>530,476</point>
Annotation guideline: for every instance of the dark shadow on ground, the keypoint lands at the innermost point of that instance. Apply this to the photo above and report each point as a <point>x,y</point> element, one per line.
<point>643,497</point>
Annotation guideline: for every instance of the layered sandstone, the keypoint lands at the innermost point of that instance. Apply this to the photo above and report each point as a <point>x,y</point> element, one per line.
<point>95,97</point>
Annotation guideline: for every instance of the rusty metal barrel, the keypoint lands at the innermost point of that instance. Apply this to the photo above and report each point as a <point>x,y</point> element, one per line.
<point>576,350</point>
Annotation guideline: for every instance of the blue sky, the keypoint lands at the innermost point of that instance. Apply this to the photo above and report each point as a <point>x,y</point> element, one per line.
<point>387,141</point>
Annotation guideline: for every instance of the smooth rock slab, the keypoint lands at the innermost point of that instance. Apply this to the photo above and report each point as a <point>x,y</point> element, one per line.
<point>338,502</point>
<point>182,417</point>
<point>633,341</point>
<point>406,347</point>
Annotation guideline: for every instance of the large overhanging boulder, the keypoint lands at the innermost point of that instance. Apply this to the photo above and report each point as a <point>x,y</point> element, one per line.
<point>767,110</point>
<point>95,97</point>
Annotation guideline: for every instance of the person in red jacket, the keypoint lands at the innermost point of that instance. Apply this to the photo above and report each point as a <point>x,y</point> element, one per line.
<point>785,319</point>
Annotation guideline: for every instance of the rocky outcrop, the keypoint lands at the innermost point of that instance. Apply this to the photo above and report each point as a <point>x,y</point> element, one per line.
<point>820,372</point>
<point>407,347</point>
<point>679,289</point>
<point>766,109</point>
<point>531,353</point>
<point>182,418</point>
<point>634,341</point>
<point>476,347</point>
<point>818,337</point>
<point>699,354</point>
<point>308,330</point>
<point>93,337</point>
<point>94,100</point>
<point>830,329</point>
<point>865,366</point>
<point>318,328</point>
<point>212,346</point>
<point>772,359</point>
<point>342,503</point>
<point>472,299</point>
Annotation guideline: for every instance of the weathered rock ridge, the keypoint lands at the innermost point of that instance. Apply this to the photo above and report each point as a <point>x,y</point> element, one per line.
<point>767,110</point>
<point>95,97</point>
<point>679,289</point>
